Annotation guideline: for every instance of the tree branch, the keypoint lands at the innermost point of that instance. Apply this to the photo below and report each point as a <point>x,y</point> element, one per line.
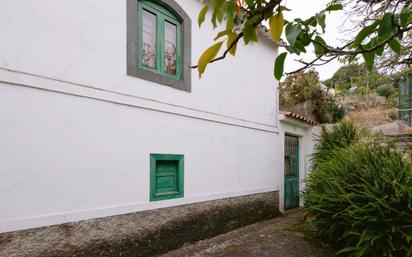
<point>260,11</point>
<point>340,52</point>
<point>223,56</point>
<point>311,64</point>
<point>334,53</point>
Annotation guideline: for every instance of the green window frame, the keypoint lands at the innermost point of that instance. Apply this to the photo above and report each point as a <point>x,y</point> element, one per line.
<point>166,183</point>
<point>162,17</point>
<point>170,19</point>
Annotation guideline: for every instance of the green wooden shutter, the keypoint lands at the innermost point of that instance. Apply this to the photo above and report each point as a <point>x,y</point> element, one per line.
<point>166,176</point>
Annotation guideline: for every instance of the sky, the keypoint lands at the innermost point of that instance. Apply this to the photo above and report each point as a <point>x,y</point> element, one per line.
<point>304,9</point>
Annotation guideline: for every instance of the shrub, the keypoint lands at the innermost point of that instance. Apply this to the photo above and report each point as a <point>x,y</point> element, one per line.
<point>392,101</point>
<point>337,111</point>
<point>334,138</point>
<point>392,115</point>
<point>361,199</point>
<point>385,91</point>
<point>320,105</point>
<point>362,90</point>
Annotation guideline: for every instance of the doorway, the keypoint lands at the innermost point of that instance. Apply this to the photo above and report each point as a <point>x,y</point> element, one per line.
<point>291,171</point>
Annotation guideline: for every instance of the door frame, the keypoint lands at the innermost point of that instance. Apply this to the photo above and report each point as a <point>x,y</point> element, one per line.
<point>298,171</point>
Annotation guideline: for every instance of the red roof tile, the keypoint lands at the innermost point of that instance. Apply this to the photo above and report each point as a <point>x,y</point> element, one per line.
<point>298,117</point>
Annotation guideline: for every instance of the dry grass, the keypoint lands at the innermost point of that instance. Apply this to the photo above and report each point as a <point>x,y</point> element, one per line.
<point>371,117</point>
<point>367,111</point>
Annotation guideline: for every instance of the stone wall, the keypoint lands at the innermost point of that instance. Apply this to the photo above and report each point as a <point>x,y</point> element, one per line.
<point>304,109</point>
<point>146,233</point>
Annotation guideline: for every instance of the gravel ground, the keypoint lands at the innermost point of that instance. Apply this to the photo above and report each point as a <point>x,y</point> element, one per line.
<point>272,238</point>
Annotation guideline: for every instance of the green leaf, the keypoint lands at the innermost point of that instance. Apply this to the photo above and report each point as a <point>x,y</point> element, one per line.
<point>282,8</point>
<point>352,58</point>
<point>311,22</point>
<point>369,58</point>
<point>334,7</point>
<point>306,39</point>
<point>230,39</point>
<point>268,14</point>
<point>249,32</point>
<point>207,56</point>
<point>379,50</point>
<point>395,46</point>
<point>348,249</point>
<point>202,15</point>
<point>292,33</point>
<point>290,49</point>
<point>364,33</point>
<point>279,65</point>
<point>216,4</point>
<point>385,26</point>
<point>299,47</point>
<point>318,44</point>
<point>230,23</point>
<point>276,23</point>
<point>229,7</point>
<point>250,3</point>
<point>321,17</point>
<point>404,18</point>
<point>221,34</point>
<point>217,14</point>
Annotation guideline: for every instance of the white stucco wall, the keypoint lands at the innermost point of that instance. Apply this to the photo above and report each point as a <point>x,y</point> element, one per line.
<point>76,132</point>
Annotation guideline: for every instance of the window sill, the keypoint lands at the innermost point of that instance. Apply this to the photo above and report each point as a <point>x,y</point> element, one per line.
<point>184,85</point>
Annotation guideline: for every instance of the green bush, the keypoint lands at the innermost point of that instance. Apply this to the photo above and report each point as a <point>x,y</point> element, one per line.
<point>338,136</point>
<point>393,116</point>
<point>385,91</point>
<point>337,111</point>
<point>362,90</point>
<point>392,101</point>
<point>361,199</point>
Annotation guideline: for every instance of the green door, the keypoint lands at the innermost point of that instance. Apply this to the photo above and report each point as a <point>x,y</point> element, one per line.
<point>291,172</point>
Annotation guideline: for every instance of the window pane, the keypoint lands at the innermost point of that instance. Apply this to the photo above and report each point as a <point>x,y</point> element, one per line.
<point>149,39</point>
<point>170,48</point>
<point>291,156</point>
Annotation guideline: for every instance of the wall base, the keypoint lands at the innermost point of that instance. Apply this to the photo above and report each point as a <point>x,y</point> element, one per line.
<point>145,233</point>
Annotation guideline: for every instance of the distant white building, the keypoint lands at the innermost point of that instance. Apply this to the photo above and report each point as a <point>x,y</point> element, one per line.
<point>101,115</point>
<point>330,91</point>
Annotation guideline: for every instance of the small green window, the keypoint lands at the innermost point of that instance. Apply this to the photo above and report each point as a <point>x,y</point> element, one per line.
<point>166,176</point>
<point>159,40</point>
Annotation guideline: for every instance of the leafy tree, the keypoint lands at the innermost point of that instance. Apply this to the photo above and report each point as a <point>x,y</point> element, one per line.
<point>328,83</point>
<point>358,75</point>
<point>305,86</point>
<point>391,60</point>
<point>299,88</point>
<point>387,31</point>
<point>401,74</point>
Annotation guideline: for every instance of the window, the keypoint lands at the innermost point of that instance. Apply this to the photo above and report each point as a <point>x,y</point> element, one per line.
<point>159,42</point>
<point>166,176</point>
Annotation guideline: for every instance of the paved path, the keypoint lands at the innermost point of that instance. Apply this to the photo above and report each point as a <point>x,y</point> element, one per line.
<point>271,238</point>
